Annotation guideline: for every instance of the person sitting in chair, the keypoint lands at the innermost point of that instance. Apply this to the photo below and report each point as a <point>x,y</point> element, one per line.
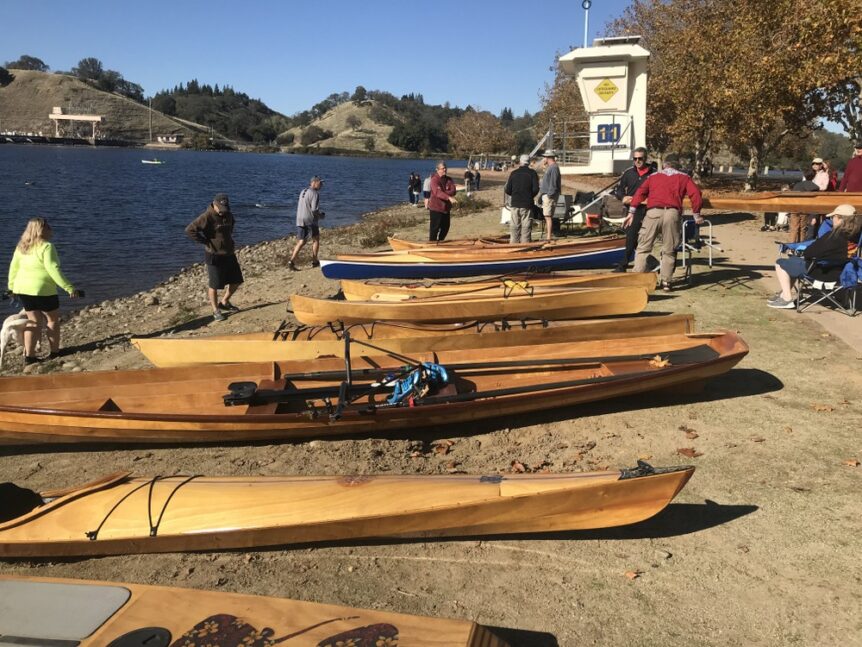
<point>832,247</point>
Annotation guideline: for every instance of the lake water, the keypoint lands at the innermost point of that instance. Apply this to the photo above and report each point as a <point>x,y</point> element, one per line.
<point>118,224</point>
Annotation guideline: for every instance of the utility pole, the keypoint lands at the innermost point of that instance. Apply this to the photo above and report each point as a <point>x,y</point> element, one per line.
<point>151,120</point>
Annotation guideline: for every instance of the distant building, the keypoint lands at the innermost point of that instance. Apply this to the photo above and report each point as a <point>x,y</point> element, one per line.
<point>169,139</point>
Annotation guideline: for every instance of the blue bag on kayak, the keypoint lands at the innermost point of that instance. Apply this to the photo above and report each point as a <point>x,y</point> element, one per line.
<point>419,382</point>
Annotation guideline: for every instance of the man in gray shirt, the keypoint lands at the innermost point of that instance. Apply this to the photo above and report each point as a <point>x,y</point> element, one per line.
<point>550,189</point>
<point>308,214</point>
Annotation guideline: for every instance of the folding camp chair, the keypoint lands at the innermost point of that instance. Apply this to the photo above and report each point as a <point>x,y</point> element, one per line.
<point>840,294</point>
<point>693,241</point>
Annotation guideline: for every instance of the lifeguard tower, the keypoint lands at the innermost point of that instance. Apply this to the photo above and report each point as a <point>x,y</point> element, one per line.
<point>612,79</point>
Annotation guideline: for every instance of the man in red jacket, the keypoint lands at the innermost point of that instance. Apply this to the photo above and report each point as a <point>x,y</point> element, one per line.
<point>852,180</point>
<point>666,191</point>
<point>440,203</point>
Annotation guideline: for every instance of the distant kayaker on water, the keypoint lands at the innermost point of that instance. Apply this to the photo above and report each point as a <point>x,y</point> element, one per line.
<point>214,230</point>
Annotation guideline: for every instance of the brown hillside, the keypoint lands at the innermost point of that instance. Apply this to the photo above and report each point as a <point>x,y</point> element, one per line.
<point>26,103</point>
<point>347,138</point>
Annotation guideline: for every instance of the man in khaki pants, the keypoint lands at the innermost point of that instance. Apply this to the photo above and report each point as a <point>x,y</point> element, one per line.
<point>550,189</point>
<point>666,191</point>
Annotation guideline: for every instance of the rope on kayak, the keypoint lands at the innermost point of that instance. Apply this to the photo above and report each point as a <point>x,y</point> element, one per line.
<point>93,535</point>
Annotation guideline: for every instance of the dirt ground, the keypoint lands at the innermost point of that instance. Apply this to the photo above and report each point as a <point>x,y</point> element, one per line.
<point>761,548</point>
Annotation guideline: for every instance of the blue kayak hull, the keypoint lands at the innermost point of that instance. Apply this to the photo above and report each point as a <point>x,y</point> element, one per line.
<point>602,259</point>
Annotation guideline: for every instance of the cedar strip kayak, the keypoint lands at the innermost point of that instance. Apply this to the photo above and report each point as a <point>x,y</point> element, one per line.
<point>434,263</point>
<point>562,303</point>
<point>512,284</point>
<point>384,338</point>
<point>121,514</point>
<point>814,202</point>
<point>281,401</point>
<point>95,614</point>
<point>490,246</point>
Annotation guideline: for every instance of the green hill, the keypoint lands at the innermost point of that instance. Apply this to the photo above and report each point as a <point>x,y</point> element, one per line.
<point>28,100</point>
<point>346,127</point>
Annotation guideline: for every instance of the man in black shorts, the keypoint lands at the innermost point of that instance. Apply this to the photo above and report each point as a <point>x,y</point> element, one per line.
<point>214,229</point>
<point>308,215</point>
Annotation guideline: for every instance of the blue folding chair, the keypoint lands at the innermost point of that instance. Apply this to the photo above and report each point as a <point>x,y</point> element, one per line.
<point>841,294</point>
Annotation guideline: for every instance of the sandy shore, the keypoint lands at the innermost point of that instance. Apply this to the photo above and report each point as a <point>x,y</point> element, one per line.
<point>761,548</point>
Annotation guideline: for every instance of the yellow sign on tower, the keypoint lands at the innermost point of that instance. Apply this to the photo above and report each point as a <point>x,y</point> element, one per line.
<point>606,89</point>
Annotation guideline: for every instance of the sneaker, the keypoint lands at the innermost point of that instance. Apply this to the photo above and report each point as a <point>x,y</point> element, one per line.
<point>28,360</point>
<point>619,268</point>
<point>218,316</point>
<point>315,263</point>
<point>778,302</point>
<point>292,266</point>
<point>228,307</point>
<point>665,286</point>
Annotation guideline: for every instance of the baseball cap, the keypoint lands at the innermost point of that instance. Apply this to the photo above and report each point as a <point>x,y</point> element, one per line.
<point>317,178</point>
<point>221,199</point>
<point>817,160</point>
<point>843,210</point>
<point>858,144</point>
<point>524,159</point>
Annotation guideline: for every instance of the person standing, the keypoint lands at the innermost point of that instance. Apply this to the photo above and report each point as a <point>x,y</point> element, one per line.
<point>34,275</point>
<point>522,187</point>
<point>477,178</point>
<point>416,187</point>
<point>852,180</point>
<point>426,188</point>
<point>630,181</point>
<point>440,203</point>
<point>799,222</point>
<point>821,175</point>
<point>665,190</point>
<point>308,215</point>
<point>550,189</point>
<point>410,197</point>
<point>214,229</point>
<point>468,181</point>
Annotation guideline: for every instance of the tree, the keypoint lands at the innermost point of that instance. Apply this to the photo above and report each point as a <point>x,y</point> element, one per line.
<point>6,77</point>
<point>844,106</point>
<point>359,95</point>
<point>563,109</point>
<point>478,132</point>
<point>165,103</point>
<point>313,134</point>
<point>354,122</point>
<point>28,63</point>
<point>89,68</point>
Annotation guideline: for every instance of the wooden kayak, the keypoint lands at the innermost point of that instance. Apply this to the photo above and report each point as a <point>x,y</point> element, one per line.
<point>436,263</point>
<point>121,514</point>
<point>486,241</point>
<point>815,202</point>
<point>563,303</point>
<point>66,613</point>
<point>280,401</point>
<point>488,245</point>
<point>504,285</point>
<point>382,338</point>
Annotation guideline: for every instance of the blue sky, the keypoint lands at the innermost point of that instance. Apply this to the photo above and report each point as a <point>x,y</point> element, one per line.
<point>293,54</point>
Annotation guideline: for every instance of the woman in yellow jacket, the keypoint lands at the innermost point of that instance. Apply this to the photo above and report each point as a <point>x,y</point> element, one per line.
<point>34,275</point>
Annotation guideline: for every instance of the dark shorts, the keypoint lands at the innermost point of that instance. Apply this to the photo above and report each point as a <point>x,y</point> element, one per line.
<point>426,194</point>
<point>223,270</point>
<point>44,304</point>
<point>307,232</point>
<point>793,265</point>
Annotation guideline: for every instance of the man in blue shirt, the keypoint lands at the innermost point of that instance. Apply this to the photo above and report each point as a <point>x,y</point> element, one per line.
<point>308,214</point>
